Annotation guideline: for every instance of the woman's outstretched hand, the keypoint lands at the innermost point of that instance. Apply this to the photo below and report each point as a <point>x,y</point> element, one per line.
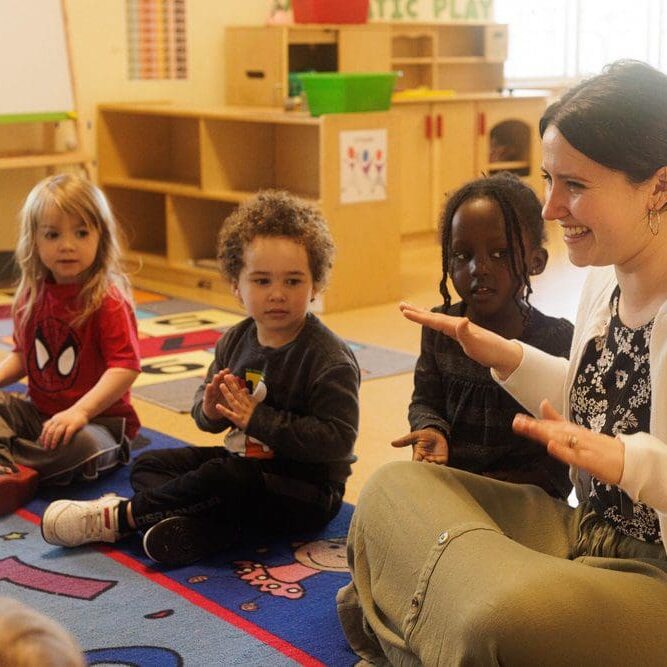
<point>601,455</point>
<point>481,345</point>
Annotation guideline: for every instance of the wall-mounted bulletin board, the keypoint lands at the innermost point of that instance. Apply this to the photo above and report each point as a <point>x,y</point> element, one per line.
<point>35,77</point>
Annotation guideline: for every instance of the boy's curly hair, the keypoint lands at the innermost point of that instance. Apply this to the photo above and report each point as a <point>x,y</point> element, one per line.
<point>276,213</point>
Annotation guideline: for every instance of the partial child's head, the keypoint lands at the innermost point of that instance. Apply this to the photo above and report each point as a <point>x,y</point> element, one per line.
<point>492,231</point>
<point>30,639</point>
<point>276,251</point>
<point>63,205</point>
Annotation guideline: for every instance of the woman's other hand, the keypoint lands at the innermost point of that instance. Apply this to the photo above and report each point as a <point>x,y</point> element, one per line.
<point>601,455</point>
<point>481,345</point>
<point>428,444</point>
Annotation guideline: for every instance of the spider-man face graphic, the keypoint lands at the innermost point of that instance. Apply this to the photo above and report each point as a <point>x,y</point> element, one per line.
<point>52,361</point>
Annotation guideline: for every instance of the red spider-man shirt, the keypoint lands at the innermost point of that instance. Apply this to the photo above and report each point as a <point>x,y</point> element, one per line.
<point>63,363</point>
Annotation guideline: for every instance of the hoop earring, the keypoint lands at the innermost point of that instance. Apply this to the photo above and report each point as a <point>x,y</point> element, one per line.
<point>654,220</point>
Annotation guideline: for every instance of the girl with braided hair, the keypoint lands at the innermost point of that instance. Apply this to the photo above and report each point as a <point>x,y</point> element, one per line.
<point>492,233</point>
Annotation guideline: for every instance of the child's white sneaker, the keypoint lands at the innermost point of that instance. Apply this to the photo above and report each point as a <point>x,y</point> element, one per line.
<point>70,523</point>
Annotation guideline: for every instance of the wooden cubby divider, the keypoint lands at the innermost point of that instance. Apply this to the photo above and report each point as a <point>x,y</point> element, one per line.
<point>174,174</point>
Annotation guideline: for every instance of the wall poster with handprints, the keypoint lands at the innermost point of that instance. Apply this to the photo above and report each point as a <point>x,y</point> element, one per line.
<point>363,166</point>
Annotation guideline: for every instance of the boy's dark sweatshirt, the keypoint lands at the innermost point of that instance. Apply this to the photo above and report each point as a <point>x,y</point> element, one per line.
<point>310,416</point>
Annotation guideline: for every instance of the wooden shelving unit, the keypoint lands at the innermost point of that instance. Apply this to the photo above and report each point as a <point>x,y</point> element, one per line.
<point>449,140</point>
<point>259,59</point>
<point>29,151</point>
<point>174,174</point>
<point>458,127</point>
<point>38,160</point>
<point>463,56</point>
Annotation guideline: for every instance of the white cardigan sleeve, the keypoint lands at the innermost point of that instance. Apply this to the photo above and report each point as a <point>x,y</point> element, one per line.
<point>645,474</point>
<point>538,376</point>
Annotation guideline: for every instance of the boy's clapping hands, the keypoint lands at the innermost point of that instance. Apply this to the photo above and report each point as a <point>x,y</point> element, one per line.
<point>227,396</point>
<point>213,396</point>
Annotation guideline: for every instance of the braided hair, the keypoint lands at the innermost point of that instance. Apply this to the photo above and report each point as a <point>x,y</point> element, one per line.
<point>522,213</point>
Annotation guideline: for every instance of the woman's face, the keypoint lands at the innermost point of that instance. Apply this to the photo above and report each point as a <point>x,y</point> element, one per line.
<point>603,215</point>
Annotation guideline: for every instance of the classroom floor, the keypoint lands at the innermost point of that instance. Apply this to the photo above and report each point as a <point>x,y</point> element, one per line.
<point>384,401</point>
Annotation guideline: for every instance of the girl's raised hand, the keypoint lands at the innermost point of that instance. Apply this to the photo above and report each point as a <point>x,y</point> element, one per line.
<point>601,455</point>
<point>481,345</point>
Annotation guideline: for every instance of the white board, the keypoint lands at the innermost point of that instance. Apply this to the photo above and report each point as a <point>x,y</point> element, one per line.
<point>35,75</point>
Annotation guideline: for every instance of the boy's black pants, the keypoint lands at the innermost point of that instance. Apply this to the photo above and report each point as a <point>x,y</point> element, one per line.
<point>239,497</point>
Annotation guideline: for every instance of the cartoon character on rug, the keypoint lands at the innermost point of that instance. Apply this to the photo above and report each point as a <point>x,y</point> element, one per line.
<point>311,558</point>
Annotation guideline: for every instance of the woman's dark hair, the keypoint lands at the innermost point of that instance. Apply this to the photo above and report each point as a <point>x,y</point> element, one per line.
<point>522,212</point>
<point>617,118</point>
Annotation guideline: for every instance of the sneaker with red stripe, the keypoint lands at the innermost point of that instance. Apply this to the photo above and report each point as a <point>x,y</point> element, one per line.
<point>70,523</point>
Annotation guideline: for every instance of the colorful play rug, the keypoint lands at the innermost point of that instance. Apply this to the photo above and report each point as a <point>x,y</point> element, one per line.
<point>177,341</point>
<point>270,603</point>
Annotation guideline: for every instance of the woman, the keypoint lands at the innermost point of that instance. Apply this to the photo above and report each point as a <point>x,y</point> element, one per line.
<point>451,568</point>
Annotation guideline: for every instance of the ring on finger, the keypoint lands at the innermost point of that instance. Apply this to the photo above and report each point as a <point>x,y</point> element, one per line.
<point>571,441</point>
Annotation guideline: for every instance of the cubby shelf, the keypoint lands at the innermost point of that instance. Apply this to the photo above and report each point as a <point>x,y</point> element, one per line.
<point>174,174</point>
<point>35,160</point>
<point>452,56</point>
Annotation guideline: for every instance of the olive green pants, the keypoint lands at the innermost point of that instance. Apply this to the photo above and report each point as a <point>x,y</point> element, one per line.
<point>450,568</point>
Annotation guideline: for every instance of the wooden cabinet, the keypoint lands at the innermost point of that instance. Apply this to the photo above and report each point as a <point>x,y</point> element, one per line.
<point>416,186</point>
<point>437,156</point>
<point>445,143</point>
<point>462,56</point>
<point>173,175</point>
<point>508,137</point>
<point>259,60</point>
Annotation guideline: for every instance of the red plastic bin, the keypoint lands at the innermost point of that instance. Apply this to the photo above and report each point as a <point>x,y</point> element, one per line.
<point>330,11</point>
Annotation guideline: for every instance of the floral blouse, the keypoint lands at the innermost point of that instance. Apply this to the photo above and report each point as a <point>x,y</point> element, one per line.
<point>612,395</point>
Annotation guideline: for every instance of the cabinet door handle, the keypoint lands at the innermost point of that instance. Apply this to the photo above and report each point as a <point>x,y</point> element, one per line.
<point>428,126</point>
<point>254,74</point>
<point>438,126</point>
<point>482,124</point>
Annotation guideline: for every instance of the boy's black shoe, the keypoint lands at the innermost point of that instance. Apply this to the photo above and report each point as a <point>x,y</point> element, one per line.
<point>179,540</point>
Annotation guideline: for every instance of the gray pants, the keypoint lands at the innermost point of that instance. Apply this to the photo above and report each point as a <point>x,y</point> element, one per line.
<point>98,446</point>
<point>450,568</point>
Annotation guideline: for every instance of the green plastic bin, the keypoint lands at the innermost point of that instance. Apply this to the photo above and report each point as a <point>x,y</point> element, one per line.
<point>335,92</point>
